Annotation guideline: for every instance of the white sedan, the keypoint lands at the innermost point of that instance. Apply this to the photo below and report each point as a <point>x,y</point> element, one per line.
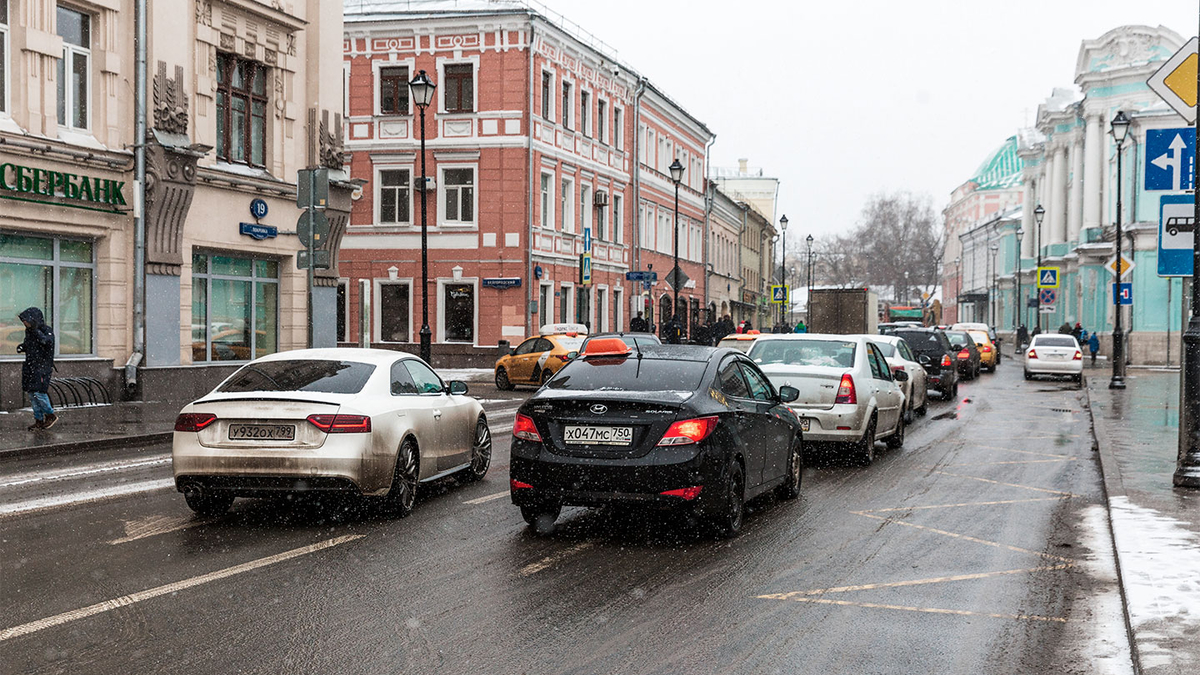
<point>1054,354</point>
<point>900,357</point>
<point>364,421</point>
<point>848,393</point>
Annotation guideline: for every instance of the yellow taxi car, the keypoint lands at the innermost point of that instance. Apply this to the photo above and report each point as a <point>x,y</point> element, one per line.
<point>987,351</point>
<point>538,358</point>
<point>739,341</point>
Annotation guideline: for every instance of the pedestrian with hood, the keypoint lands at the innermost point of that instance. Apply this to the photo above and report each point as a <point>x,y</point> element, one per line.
<point>1077,332</point>
<point>801,328</point>
<point>1094,346</point>
<point>1022,337</point>
<point>38,348</point>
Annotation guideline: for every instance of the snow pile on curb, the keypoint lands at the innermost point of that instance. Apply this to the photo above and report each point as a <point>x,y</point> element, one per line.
<point>1107,639</point>
<point>1160,567</point>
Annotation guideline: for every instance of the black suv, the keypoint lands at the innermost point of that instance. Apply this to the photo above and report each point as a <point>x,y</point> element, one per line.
<point>934,352</point>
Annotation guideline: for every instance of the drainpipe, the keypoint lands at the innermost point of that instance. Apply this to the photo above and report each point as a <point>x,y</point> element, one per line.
<point>139,197</point>
<point>637,185</point>
<point>529,196</point>
<point>708,207</point>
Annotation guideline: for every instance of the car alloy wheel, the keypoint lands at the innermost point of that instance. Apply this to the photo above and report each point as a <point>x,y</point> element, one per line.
<point>481,451</point>
<point>502,381</point>
<point>791,485</point>
<point>208,506</point>
<point>403,494</point>
<point>732,510</point>
<point>546,375</point>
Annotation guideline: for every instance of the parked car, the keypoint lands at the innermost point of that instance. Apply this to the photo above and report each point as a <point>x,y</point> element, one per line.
<point>363,421</point>
<point>991,333</point>
<point>900,357</point>
<point>1053,354</point>
<point>989,353</point>
<point>739,341</point>
<point>966,354</point>
<point>847,392</point>
<point>933,351</point>
<point>676,426</point>
<point>536,359</point>
<point>891,326</point>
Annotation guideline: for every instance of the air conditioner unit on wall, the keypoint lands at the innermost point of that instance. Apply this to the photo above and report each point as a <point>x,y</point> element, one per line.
<point>429,186</point>
<point>600,198</point>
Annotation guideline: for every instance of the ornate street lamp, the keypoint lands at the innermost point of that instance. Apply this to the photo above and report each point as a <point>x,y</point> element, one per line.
<point>1039,214</point>
<point>1120,128</point>
<point>422,94</point>
<point>1019,309</point>
<point>676,333</point>
<point>783,221</point>
<point>994,248</point>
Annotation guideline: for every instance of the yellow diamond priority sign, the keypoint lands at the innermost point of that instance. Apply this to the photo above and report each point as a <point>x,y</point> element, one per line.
<point>1175,81</point>
<point>1126,265</point>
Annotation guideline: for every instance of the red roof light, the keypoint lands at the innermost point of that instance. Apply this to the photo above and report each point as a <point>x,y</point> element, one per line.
<point>607,347</point>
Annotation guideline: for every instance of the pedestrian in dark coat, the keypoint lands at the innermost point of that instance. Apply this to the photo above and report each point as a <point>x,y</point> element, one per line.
<point>1022,337</point>
<point>1077,332</point>
<point>638,324</point>
<point>1064,329</point>
<point>38,348</point>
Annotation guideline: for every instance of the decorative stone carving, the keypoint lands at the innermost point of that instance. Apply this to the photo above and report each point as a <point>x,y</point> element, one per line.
<point>204,13</point>
<point>338,213</point>
<point>332,152</point>
<point>170,101</point>
<point>228,42</point>
<point>271,57</point>
<point>170,183</point>
<point>291,44</point>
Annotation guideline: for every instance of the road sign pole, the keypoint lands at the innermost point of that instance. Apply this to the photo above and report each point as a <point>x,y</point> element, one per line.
<point>312,189</point>
<point>1187,468</point>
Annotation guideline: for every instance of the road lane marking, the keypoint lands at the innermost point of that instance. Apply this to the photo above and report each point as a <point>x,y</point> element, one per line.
<point>948,506</point>
<point>87,497</point>
<point>927,610</point>
<point>488,498</point>
<point>1016,485</point>
<point>1015,461</point>
<point>126,600</point>
<point>963,537</point>
<point>1025,452</point>
<point>75,472</point>
<point>915,582</point>
<point>554,559</point>
<point>156,525</point>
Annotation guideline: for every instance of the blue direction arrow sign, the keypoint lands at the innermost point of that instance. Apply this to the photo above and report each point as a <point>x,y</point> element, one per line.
<point>1176,227</point>
<point>1123,294</point>
<point>1170,158</point>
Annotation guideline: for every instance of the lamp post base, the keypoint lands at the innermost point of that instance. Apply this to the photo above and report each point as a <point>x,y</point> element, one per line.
<point>1118,374</point>
<point>426,346</point>
<point>1187,468</point>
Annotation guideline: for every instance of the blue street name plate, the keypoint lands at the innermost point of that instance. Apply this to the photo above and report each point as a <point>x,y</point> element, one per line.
<point>641,276</point>
<point>259,232</point>
<point>502,282</point>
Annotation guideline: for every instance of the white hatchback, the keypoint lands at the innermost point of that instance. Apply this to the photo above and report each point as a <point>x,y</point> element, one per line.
<point>1054,354</point>
<point>848,392</point>
<point>364,421</point>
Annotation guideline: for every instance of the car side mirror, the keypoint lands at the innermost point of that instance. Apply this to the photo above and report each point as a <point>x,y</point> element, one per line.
<point>457,388</point>
<point>924,359</point>
<point>900,376</point>
<point>571,356</point>
<point>512,351</point>
<point>788,393</point>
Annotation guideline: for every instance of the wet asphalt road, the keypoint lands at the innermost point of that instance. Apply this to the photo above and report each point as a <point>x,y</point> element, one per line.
<point>960,553</point>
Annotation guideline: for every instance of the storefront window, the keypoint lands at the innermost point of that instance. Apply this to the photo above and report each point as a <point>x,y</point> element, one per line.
<point>235,308</point>
<point>393,312</point>
<point>55,275</point>
<point>460,312</point>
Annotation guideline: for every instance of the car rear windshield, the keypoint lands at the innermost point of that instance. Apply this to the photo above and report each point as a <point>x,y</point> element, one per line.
<point>733,343</point>
<point>922,342</point>
<point>571,344</point>
<point>629,374</point>
<point>1054,341</point>
<point>828,353</point>
<point>319,376</point>
<point>957,338</point>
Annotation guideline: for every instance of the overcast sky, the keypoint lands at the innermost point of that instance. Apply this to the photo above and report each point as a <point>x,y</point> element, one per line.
<point>847,98</point>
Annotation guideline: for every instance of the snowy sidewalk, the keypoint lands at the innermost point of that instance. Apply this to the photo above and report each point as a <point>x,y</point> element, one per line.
<point>1156,527</point>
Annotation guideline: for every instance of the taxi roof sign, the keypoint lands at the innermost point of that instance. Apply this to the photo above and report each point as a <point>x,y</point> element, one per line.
<point>607,347</point>
<point>563,329</point>
<point>1175,81</point>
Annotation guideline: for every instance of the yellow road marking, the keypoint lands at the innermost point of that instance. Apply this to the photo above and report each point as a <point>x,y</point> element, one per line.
<point>156,525</point>
<point>1025,452</point>
<point>948,506</point>
<point>126,600</point>
<point>964,537</point>
<point>996,482</point>
<point>488,498</point>
<point>551,560</point>
<point>927,610</point>
<point>1015,461</point>
<point>914,582</point>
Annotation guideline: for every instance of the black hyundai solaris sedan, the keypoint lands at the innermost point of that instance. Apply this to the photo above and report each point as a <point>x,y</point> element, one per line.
<point>676,426</point>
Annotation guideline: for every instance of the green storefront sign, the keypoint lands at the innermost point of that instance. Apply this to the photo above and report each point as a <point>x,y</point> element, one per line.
<point>24,183</point>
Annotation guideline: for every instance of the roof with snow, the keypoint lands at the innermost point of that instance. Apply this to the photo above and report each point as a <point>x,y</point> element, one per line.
<point>1002,169</point>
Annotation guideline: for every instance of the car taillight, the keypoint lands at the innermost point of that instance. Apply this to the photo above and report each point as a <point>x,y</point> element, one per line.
<point>985,349</point>
<point>946,362</point>
<point>688,493</point>
<point>1078,355</point>
<point>685,432</point>
<point>1031,354</point>
<point>193,421</point>
<point>525,429</point>
<point>964,354</point>
<point>846,393</point>
<point>518,485</point>
<point>341,424</point>
<point>562,357</point>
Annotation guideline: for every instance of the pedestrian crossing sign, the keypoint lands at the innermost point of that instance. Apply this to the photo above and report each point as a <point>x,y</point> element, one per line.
<point>1047,277</point>
<point>779,294</point>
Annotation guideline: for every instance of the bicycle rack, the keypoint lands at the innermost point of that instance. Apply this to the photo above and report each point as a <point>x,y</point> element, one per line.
<point>73,392</point>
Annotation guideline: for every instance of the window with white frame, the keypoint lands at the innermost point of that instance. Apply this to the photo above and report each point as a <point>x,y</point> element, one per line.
<point>395,196</point>
<point>617,234</point>
<point>647,228</point>
<point>3,56</point>
<point>585,208</point>
<point>547,95</point>
<point>664,233</point>
<point>598,228</point>
<point>566,105</point>
<point>458,195</point>
<point>565,211</point>
<point>602,120</point>
<point>585,117</point>
<point>547,214</point>
<point>618,130</point>
<point>393,90</point>
<point>458,88</point>
<point>74,68</point>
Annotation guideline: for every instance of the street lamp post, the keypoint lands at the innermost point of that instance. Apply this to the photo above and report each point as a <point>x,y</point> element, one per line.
<point>422,94</point>
<point>994,248</point>
<point>1019,309</point>
<point>1039,214</point>
<point>1120,127</point>
<point>957,290</point>
<point>809,278</point>
<point>676,333</point>
<point>783,221</point>
<point>1187,466</point>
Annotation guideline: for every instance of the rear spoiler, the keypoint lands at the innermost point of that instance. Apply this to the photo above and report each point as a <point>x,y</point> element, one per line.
<point>265,398</point>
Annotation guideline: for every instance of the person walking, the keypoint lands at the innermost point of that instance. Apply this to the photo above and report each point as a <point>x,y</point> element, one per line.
<point>801,328</point>
<point>38,348</point>
<point>638,324</point>
<point>1093,346</point>
<point>1077,332</point>
<point>1022,338</point>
